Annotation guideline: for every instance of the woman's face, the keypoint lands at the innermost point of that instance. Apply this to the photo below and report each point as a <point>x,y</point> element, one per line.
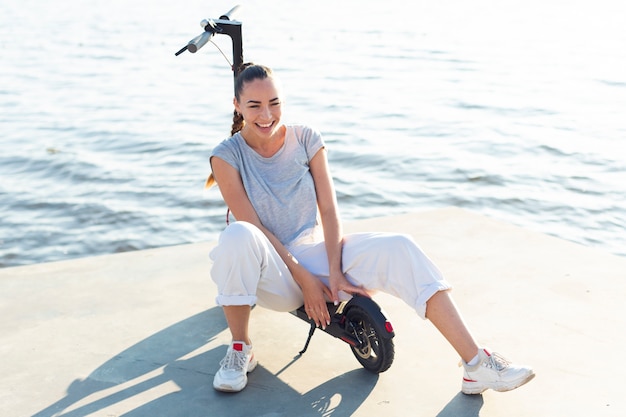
<point>260,105</point>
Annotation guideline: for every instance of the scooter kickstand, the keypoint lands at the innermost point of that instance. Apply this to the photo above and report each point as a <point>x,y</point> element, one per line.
<point>308,340</point>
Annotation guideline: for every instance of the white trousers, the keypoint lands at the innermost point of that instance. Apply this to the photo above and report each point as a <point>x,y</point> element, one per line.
<point>248,270</point>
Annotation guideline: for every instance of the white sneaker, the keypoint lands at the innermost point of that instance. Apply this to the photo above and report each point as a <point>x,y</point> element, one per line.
<point>494,372</point>
<point>232,376</point>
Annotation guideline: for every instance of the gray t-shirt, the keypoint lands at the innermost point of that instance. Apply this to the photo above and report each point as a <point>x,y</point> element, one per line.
<point>280,187</point>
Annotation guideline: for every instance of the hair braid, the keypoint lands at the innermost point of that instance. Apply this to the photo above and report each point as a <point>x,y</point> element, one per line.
<point>238,123</point>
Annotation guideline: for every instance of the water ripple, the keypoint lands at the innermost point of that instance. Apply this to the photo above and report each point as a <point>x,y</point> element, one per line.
<point>106,134</point>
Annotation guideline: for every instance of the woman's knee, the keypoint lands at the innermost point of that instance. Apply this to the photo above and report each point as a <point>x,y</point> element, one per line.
<point>238,234</point>
<point>400,245</point>
<point>238,241</point>
<point>237,262</point>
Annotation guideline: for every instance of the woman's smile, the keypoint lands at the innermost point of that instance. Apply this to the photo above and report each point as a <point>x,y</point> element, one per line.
<point>265,125</point>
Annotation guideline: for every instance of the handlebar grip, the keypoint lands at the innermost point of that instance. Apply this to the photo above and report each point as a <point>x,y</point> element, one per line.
<point>231,13</point>
<point>199,41</point>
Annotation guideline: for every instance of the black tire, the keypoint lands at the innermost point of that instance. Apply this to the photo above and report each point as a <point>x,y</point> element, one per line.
<point>377,352</point>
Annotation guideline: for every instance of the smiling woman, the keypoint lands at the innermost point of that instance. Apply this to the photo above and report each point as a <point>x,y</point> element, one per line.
<point>287,248</point>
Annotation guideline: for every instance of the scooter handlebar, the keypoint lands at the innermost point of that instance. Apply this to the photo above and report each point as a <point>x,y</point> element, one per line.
<point>199,41</point>
<point>231,13</point>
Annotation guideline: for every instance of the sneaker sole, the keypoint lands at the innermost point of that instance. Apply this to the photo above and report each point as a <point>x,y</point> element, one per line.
<point>230,388</point>
<point>479,390</point>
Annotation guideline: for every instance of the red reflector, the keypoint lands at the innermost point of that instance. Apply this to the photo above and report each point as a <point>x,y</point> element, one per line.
<point>388,327</point>
<point>348,341</point>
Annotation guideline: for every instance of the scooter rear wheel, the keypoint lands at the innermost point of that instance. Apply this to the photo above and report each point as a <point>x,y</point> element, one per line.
<point>375,352</point>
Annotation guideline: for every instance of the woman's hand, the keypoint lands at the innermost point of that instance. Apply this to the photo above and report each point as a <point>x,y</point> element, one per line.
<point>314,292</point>
<point>339,282</point>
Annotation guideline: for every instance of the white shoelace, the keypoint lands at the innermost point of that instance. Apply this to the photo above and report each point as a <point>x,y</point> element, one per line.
<point>497,362</point>
<point>235,360</point>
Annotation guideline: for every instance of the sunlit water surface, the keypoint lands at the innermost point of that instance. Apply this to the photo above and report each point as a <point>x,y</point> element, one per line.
<point>510,109</point>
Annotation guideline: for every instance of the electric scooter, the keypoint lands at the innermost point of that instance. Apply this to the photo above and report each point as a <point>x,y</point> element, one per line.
<point>359,322</point>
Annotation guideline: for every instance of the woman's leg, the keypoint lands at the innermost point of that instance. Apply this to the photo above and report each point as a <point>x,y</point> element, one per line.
<point>482,369</point>
<point>247,271</point>
<point>396,265</point>
<point>442,312</point>
<point>238,318</point>
<point>391,263</point>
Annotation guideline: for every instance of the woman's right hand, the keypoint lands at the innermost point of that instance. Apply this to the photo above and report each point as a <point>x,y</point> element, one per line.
<point>315,294</point>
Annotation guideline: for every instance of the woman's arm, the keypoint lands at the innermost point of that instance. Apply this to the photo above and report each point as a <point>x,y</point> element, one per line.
<point>236,198</point>
<point>331,223</point>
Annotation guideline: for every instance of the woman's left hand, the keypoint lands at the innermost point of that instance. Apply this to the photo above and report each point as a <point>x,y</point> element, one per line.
<point>338,282</point>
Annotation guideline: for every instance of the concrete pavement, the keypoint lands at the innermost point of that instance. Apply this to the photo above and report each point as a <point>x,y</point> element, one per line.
<point>139,334</point>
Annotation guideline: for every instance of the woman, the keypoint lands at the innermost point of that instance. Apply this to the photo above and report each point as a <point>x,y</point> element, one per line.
<point>287,247</point>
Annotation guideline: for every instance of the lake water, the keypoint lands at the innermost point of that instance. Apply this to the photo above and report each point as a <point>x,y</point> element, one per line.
<point>512,109</point>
